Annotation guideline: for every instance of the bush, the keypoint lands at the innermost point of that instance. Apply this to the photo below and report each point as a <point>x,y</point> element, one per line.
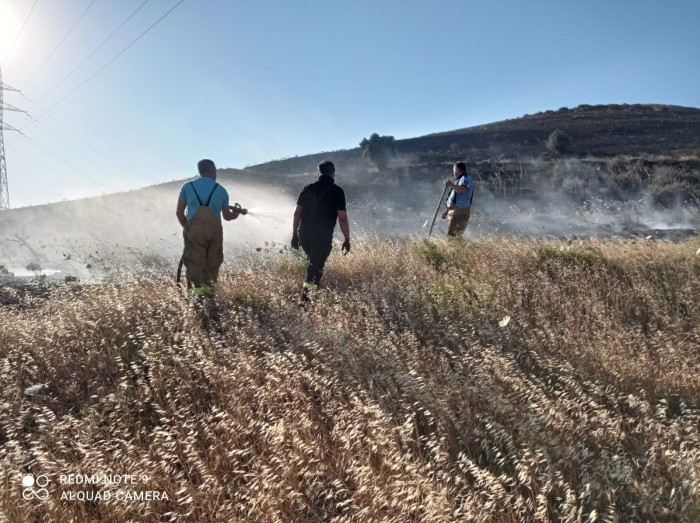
<point>564,254</point>
<point>579,180</point>
<point>436,254</point>
<point>559,142</point>
<point>378,149</point>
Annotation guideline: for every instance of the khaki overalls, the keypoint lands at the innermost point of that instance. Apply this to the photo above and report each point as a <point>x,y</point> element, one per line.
<point>204,247</point>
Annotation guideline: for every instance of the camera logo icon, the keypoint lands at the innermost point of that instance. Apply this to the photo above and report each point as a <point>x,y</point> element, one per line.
<point>35,488</point>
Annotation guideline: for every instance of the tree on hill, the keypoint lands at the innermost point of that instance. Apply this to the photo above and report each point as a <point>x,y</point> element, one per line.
<point>378,149</point>
<point>559,142</point>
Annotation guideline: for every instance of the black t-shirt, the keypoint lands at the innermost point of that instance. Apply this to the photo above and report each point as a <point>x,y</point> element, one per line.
<point>320,203</point>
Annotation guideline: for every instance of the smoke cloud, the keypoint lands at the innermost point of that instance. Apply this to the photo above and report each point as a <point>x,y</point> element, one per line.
<point>88,238</point>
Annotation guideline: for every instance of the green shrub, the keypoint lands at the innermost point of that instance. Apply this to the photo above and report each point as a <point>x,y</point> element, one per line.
<point>293,263</point>
<point>558,142</point>
<point>584,256</point>
<point>248,296</point>
<point>447,296</point>
<point>378,149</point>
<point>436,254</point>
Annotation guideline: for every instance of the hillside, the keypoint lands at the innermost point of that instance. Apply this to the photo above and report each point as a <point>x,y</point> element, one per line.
<point>617,153</point>
<point>599,131</point>
<point>596,131</point>
<point>551,374</point>
<point>632,170</point>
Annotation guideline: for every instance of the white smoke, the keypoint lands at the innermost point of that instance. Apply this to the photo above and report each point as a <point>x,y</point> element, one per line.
<point>91,237</point>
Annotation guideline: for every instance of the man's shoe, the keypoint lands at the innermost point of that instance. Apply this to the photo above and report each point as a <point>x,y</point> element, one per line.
<point>306,291</point>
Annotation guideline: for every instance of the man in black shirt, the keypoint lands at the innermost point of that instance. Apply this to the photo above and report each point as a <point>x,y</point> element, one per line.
<point>318,207</point>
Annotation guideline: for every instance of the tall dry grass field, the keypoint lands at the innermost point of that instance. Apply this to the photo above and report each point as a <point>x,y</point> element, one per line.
<point>504,380</point>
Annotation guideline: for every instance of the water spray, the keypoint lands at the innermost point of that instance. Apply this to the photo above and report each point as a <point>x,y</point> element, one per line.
<point>261,215</point>
<point>255,213</point>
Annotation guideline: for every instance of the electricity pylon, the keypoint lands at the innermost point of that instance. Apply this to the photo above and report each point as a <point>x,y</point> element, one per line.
<point>4,188</point>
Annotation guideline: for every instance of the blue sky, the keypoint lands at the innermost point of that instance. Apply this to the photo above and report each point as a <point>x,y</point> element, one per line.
<point>250,81</point>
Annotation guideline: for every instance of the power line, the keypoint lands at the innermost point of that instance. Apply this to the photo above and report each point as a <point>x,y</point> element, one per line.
<point>4,193</point>
<point>65,162</point>
<point>32,159</point>
<point>59,44</point>
<point>89,178</point>
<point>90,146</point>
<point>94,149</point>
<point>63,141</point>
<point>64,126</point>
<point>64,176</point>
<point>115,57</point>
<point>12,47</point>
<point>92,53</point>
<point>59,137</point>
<point>45,149</point>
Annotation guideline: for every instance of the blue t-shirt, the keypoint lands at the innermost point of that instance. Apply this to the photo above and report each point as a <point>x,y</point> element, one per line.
<point>463,201</point>
<point>203,187</point>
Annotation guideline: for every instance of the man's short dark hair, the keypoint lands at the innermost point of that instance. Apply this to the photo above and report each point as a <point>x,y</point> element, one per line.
<point>326,167</point>
<point>206,167</point>
<point>461,167</point>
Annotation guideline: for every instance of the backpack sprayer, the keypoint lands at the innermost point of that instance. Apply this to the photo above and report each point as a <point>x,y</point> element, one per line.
<point>178,279</point>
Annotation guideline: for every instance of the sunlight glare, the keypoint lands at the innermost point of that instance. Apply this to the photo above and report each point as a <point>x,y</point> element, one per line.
<point>9,27</point>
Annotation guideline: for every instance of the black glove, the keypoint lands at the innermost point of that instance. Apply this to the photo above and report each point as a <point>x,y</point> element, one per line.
<point>346,246</point>
<point>295,242</point>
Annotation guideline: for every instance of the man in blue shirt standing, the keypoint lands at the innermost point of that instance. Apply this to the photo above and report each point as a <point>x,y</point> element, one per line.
<point>460,201</point>
<point>205,201</point>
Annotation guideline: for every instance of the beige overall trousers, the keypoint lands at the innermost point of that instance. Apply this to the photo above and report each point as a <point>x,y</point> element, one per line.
<point>204,248</point>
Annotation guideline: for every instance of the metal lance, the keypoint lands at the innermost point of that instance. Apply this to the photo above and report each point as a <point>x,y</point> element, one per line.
<point>444,192</point>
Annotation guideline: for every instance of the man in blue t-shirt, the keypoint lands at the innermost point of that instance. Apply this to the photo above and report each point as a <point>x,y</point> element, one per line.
<point>206,201</point>
<point>459,202</point>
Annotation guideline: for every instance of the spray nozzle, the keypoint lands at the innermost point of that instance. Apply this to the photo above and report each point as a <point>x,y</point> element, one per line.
<point>239,209</point>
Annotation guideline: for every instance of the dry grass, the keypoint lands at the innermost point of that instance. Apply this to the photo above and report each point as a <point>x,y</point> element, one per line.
<point>395,396</point>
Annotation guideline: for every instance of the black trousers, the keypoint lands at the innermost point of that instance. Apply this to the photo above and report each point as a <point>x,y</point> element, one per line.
<point>317,244</point>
